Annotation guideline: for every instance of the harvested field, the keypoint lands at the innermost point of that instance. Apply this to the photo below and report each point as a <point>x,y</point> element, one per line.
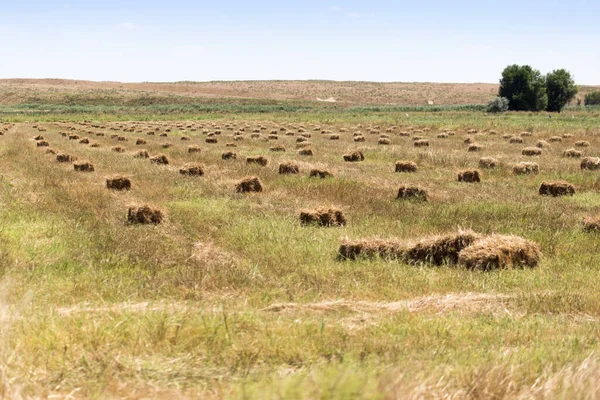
<point>261,284</point>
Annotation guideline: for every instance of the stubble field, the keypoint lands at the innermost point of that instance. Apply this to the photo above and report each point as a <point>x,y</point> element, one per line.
<point>230,295</point>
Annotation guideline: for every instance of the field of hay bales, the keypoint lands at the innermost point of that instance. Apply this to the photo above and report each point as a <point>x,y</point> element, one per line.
<point>408,264</point>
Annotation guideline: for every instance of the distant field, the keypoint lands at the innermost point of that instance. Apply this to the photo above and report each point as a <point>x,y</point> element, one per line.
<point>231,296</point>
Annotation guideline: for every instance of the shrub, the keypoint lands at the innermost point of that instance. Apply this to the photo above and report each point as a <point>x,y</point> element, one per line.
<point>592,98</point>
<point>498,105</point>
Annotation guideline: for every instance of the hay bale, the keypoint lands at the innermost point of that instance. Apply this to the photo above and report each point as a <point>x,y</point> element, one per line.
<point>185,138</point>
<point>421,143</point>
<point>194,169</point>
<point>384,141</point>
<point>278,149</point>
<point>474,147</point>
<point>556,188</point>
<point>122,139</point>
<point>567,136</point>
<point>500,252</point>
<point>488,162</point>
<point>406,166</point>
<point>166,145</point>
<point>38,137</point>
<point>542,144</point>
<point>572,153</point>
<point>320,173</point>
<point>590,163</point>
<point>355,156</point>
<point>118,149</point>
<point>555,139</point>
<point>468,140</point>
<point>582,143</point>
<point>306,152</point>
<point>442,135</point>
<point>323,217</point>
<point>406,192</point>
<point>289,168</point>
<point>160,159</point>
<point>211,140</point>
<point>229,155</point>
<point>42,143</point>
<point>140,142</point>
<point>95,145</point>
<point>441,250</point>
<point>85,141</point>
<point>194,149</point>
<point>526,168</point>
<point>359,139</point>
<point>118,183</point>
<point>515,140</point>
<point>163,135</point>
<point>357,249</point>
<point>73,137</point>
<point>65,158</point>
<point>334,137</point>
<point>260,160</point>
<point>50,151</point>
<point>142,154</point>
<point>249,184</point>
<point>591,224</point>
<point>144,215</point>
<point>470,176</point>
<point>84,166</point>
<point>531,151</point>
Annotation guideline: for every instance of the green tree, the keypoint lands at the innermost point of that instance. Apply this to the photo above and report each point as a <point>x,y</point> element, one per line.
<point>561,89</point>
<point>524,87</point>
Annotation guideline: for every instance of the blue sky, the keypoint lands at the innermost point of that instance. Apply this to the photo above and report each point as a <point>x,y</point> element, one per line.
<point>377,40</point>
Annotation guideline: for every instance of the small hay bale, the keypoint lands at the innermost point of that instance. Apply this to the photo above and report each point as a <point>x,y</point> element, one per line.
<point>192,170</point>
<point>334,137</point>
<point>38,137</point>
<point>591,224</point>
<point>163,135</point>
<point>289,168</point>
<point>249,184</point>
<point>323,217</point>
<point>515,140</point>
<point>468,140</point>
<point>488,162</point>
<point>194,149</point>
<point>526,168</point>
<point>572,153</point>
<point>73,137</point>
<point>500,252</point>
<point>531,151</point>
<point>42,143</point>
<point>320,173</point>
<point>470,176</point>
<point>166,145</point>
<point>278,149</point>
<point>556,188</point>
<point>590,163</point>
<point>211,140</point>
<point>140,142</point>
<point>50,151</point>
<point>142,154</point>
<point>411,193</point>
<point>406,166</point>
<point>229,155</point>
<point>118,183</point>
<point>84,166</point>
<point>421,143</point>
<point>122,139</point>
<point>555,139</point>
<point>65,158</point>
<point>185,138</point>
<point>441,250</point>
<point>306,152</point>
<point>542,144</point>
<point>355,156</point>
<point>260,160</point>
<point>359,139</point>
<point>442,135</point>
<point>118,149</point>
<point>582,143</point>
<point>474,147</point>
<point>567,136</point>
<point>357,249</point>
<point>85,141</point>
<point>160,159</point>
<point>144,215</point>
<point>95,145</point>
<point>526,133</point>
<point>384,141</point>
